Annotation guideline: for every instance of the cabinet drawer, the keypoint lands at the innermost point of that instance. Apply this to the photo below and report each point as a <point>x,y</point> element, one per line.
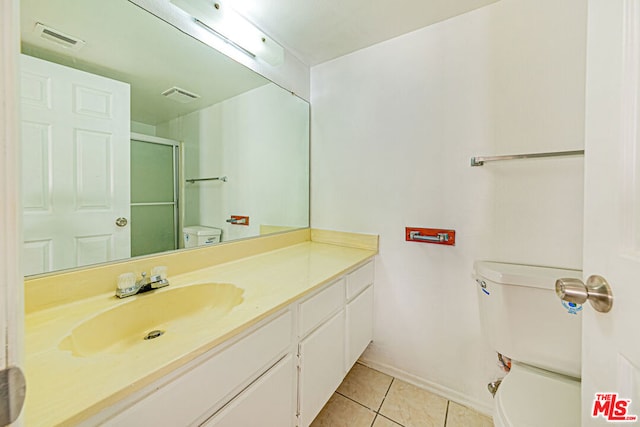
<point>267,402</point>
<point>359,279</point>
<point>201,389</point>
<point>320,306</point>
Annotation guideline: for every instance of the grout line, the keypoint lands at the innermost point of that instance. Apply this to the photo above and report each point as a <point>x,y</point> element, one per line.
<point>393,421</point>
<point>355,401</point>
<point>385,394</point>
<point>446,414</point>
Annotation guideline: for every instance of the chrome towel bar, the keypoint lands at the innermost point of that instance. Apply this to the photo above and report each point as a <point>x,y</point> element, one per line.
<point>438,236</point>
<point>480,160</point>
<point>441,237</point>
<point>216,178</point>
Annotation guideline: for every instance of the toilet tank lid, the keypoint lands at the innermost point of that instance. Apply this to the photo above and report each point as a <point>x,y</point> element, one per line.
<point>522,275</point>
<point>201,230</point>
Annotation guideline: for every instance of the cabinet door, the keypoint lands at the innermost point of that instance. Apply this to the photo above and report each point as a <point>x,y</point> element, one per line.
<point>321,366</point>
<point>267,402</point>
<point>359,325</point>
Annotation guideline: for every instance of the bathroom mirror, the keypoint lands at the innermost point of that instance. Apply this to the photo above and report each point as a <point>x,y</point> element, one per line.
<point>134,132</point>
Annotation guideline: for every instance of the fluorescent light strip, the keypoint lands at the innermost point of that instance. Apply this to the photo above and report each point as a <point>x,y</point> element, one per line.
<point>224,38</point>
<point>233,29</point>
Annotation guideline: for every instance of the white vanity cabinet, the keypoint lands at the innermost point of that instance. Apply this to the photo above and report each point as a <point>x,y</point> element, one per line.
<point>335,327</point>
<point>321,349</point>
<point>279,373</point>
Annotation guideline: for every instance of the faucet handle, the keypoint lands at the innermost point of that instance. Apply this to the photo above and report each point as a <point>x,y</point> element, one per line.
<point>159,272</point>
<point>159,277</point>
<point>126,280</point>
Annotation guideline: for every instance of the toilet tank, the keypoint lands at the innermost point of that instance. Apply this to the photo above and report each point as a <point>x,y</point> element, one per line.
<point>523,318</point>
<point>199,235</point>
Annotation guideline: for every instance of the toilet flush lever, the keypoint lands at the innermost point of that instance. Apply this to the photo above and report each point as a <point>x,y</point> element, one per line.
<point>597,291</point>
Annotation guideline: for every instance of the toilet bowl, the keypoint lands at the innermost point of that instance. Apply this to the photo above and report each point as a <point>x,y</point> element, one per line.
<point>523,319</point>
<point>531,397</point>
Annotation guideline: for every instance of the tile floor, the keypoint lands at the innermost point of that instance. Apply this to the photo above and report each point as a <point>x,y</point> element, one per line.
<point>369,398</point>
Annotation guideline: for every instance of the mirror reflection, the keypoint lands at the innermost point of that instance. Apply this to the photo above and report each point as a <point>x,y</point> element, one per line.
<point>139,139</point>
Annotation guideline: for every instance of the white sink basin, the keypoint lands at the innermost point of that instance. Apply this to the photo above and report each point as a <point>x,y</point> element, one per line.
<point>151,314</point>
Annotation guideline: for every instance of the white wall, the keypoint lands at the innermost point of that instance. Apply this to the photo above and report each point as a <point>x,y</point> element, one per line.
<point>258,140</point>
<point>393,129</point>
<point>143,128</point>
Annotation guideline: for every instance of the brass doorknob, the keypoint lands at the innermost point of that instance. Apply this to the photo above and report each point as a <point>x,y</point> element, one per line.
<point>121,222</point>
<point>597,291</point>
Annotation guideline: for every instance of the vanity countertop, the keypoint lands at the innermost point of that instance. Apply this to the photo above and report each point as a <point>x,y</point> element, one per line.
<point>63,389</point>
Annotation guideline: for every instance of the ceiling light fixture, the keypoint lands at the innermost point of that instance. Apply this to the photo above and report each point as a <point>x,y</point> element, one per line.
<point>233,29</point>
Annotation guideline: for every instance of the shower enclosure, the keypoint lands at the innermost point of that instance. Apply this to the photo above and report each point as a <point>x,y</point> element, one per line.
<point>154,194</point>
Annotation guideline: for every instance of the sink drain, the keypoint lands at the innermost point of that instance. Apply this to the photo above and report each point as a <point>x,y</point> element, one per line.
<point>153,334</point>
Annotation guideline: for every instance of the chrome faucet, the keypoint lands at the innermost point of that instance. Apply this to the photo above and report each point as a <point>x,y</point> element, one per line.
<point>144,284</point>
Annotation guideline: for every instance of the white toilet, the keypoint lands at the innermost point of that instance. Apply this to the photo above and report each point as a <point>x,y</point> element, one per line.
<point>523,319</point>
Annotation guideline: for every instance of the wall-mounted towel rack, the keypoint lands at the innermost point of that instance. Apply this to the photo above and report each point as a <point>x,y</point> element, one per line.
<point>480,160</point>
<point>215,178</point>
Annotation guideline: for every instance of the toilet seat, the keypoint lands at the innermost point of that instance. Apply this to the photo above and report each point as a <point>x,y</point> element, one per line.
<point>533,397</point>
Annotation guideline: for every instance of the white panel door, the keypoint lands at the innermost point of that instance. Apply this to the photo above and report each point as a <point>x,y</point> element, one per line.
<point>11,286</point>
<point>611,345</point>
<point>75,150</point>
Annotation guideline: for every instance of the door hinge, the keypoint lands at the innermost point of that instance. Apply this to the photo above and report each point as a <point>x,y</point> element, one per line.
<point>12,393</point>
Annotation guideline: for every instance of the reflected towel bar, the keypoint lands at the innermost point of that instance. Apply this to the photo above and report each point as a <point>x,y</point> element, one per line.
<point>479,161</point>
<point>217,178</point>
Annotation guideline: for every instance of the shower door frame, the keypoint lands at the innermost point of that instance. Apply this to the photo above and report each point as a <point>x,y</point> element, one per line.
<point>135,136</point>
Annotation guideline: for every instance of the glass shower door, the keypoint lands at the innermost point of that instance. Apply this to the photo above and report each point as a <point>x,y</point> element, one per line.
<point>154,201</point>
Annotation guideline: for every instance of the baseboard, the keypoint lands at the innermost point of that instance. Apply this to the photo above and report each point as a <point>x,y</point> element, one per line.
<point>429,386</point>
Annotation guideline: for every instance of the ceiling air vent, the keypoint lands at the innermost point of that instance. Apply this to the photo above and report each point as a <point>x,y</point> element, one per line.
<point>53,35</point>
<point>180,95</point>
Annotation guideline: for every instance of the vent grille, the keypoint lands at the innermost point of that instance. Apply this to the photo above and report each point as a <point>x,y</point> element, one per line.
<point>180,95</point>
<point>58,37</point>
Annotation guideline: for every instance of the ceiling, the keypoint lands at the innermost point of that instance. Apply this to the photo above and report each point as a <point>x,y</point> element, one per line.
<point>126,43</point>
<point>317,31</point>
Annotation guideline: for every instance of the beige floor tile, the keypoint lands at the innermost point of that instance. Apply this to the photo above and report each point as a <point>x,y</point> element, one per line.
<point>342,412</point>
<point>366,386</point>
<point>384,422</point>
<point>460,416</point>
<point>413,407</point>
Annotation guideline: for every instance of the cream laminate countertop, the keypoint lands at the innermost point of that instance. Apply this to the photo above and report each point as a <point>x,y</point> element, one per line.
<point>63,389</point>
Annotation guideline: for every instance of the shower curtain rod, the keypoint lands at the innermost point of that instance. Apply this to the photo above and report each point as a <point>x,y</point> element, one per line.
<point>480,160</point>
